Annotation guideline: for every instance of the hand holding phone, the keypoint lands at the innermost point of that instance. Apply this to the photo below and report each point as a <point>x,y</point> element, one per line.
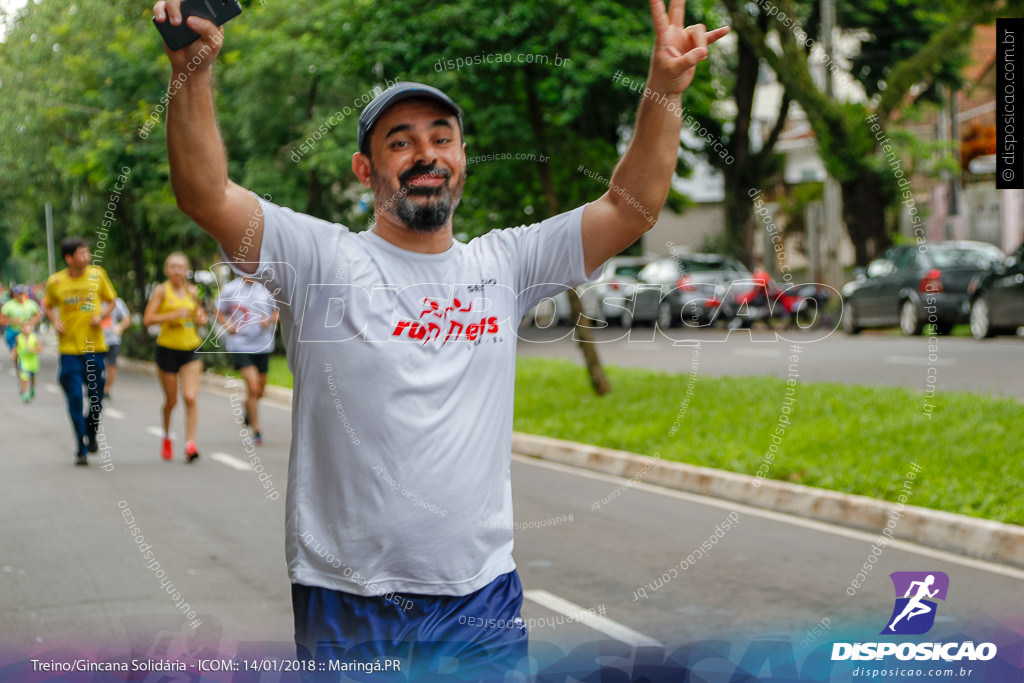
<point>217,11</point>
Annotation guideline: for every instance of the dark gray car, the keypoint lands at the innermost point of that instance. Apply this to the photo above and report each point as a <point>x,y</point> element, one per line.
<point>997,298</point>
<point>910,287</point>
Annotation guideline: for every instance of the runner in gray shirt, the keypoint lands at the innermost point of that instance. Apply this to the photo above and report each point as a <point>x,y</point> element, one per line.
<point>249,316</point>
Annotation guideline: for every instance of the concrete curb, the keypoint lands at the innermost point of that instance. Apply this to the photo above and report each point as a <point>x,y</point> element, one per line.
<point>980,538</point>
<point>970,536</point>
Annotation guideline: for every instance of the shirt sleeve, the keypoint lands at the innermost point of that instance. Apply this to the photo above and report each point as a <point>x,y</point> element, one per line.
<point>121,310</point>
<point>50,298</point>
<point>107,292</point>
<point>547,257</point>
<point>223,303</point>
<point>296,250</point>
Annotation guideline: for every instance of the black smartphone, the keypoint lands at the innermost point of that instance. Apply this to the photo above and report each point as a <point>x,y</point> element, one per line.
<point>217,11</point>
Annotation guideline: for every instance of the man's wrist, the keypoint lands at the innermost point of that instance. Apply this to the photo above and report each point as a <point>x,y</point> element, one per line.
<point>183,78</point>
<point>662,90</point>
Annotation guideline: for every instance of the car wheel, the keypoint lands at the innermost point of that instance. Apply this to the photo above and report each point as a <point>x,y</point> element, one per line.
<point>626,319</point>
<point>910,321</point>
<point>665,319</point>
<point>981,322</point>
<point>850,320</point>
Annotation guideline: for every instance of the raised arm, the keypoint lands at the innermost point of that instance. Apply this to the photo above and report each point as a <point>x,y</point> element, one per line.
<point>641,181</point>
<point>199,165</point>
<point>200,317</point>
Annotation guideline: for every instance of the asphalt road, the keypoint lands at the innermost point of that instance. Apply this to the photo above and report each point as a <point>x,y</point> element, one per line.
<point>71,575</point>
<point>994,366</point>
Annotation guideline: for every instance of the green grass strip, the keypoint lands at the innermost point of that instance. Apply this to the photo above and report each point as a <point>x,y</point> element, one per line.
<point>844,438</point>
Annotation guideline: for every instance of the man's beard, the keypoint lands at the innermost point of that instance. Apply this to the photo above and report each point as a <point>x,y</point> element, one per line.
<point>416,216</point>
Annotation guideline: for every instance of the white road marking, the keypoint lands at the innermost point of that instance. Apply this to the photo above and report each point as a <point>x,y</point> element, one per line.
<point>919,360</point>
<point>231,461</point>
<point>155,431</point>
<point>905,546</point>
<point>52,388</point>
<point>597,622</point>
<point>114,413</point>
<point>758,353</point>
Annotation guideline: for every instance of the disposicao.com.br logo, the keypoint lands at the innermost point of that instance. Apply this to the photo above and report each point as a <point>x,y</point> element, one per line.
<point>914,614</point>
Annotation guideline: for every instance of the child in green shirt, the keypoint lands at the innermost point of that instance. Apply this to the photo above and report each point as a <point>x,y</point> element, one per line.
<point>25,355</point>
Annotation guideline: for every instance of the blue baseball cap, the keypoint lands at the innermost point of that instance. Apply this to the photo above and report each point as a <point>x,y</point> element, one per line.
<point>403,90</point>
<point>19,289</point>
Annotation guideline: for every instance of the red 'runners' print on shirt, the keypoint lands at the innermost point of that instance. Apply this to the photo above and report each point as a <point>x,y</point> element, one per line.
<point>457,329</point>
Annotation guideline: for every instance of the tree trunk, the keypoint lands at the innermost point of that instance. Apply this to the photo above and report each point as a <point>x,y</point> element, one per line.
<point>598,378</point>
<point>738,226</point>
<point>138,257</point>
<point>864,213</point>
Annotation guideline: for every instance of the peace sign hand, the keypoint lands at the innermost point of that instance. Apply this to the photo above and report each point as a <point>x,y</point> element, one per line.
<point>677,48</point>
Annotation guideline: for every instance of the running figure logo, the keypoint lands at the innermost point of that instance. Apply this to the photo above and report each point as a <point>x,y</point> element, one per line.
<point>914,613</point>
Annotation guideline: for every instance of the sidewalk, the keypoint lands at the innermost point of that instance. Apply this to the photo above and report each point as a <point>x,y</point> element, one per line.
<point>968,536</point>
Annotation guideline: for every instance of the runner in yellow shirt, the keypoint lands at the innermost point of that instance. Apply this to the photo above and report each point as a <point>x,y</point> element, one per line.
<point>175,305</point>
<point>77,299</point>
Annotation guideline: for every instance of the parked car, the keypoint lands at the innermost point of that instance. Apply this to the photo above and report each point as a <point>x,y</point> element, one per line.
<point>997,298</point>
<point>910,287</point>
<point>685,286</point>
<point>603,300</point>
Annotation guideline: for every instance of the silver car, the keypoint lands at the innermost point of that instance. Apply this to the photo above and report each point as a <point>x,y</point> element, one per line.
<point>603,300</point>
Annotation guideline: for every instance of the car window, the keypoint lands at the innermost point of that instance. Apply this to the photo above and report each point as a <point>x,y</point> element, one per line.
<point>739,267</point>
<point>628,271</point>
<point>880,268</point>
<point>664,270</point>
<point>701,266</point>
<point>904,258</point>
<point>962,256</point>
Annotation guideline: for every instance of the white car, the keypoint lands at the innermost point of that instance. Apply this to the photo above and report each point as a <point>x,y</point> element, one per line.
<point>602,300</point>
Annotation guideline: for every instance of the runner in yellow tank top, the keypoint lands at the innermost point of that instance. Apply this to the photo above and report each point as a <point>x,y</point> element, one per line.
<point>175,305</point>
<point>179,333</point>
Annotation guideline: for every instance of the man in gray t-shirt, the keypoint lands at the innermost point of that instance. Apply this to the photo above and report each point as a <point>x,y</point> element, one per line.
<point>402,343</point>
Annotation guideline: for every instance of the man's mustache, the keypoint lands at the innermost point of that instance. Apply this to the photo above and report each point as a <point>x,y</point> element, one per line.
<point>417,171</point>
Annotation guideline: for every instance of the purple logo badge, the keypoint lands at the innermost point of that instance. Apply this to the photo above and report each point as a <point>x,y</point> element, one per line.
<point>914,612</point>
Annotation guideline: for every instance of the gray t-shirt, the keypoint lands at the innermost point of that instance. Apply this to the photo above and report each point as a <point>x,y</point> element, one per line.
<point>118,313</point>
<point>249,306</point>
<point>404,366</point>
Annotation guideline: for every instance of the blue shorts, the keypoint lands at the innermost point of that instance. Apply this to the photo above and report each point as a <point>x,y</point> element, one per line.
<point>10,333</point>
<point>480,636</point>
